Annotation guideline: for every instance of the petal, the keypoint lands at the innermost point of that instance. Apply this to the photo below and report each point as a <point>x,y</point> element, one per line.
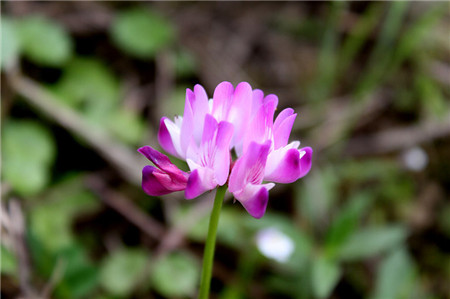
<point>174,132</point>
<point>221,162</point>
<point>239,113</point>
<point>209,129</point>
<point>165,139</point>
<point>288,165</point>
<point>257,100</point>
<point>161,161</point>
<point>200,107</point>
<point>200,180</point>
<point>250,167</point>
<point>187,127</point>
<point>254,198</point>
<point>154,182</point>
<point>282,131</point>
<point>221,100</point>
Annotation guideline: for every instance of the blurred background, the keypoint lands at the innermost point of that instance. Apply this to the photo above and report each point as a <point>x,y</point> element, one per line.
<point>84,84</point>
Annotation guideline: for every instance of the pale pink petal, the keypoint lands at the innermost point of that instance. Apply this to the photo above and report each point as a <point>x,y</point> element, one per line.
<point>221,162</point>
<point>165,139</point>
<point>200,180</point>
<point>187,127</point>
<point>250,167</point>
<point>221,100</point>
<point>282,132</point>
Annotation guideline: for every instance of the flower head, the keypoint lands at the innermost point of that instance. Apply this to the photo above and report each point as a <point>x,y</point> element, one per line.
<point>239,119</point>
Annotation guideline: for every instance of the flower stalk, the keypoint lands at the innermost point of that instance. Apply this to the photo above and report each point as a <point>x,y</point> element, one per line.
<point>208,255</point>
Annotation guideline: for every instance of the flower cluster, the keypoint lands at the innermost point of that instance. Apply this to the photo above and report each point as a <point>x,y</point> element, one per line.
<point>236,120</point>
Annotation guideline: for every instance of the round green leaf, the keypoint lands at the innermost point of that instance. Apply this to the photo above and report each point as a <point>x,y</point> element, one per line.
<point>44,41</point>
<point>176,275</point>
<point>89,86</point>
<point>10,44</point>
<point>141,33</point>
<point>28,151</point>
<point>121,271</point>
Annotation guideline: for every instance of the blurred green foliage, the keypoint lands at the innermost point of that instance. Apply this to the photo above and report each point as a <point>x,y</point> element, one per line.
<point>348,219</point>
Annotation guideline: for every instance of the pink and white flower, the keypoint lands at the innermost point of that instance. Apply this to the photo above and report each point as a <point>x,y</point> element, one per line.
<point>239,119</point>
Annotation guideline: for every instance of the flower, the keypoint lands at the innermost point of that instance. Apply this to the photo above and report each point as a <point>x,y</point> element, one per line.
<point>274,244</point>
<point>235,119</point>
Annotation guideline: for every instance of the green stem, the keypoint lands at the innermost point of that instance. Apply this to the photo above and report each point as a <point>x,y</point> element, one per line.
<point>208,255</point>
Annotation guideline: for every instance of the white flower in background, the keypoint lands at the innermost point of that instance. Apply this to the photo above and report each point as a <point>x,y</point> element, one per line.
<point>414,159</point>
<point>274,244</point>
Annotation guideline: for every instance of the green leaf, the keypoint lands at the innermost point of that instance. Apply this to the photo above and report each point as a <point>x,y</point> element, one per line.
<point>371,241</point>
<point>28,152</point>
<point>44,42</point>
<point>325,275</point>
<point>141,33</point>
<point>185,64</point>
<point>395,276</point>
<point>176,275</point>
<point>10,43</point>
<point>90,87</point>
<point>80,276</point>
<point>317,195</point>
<point>8,262</point>
<point>51,220</point>
<point>345,223</point>
<point>121,271</point>
<point>127,126</point>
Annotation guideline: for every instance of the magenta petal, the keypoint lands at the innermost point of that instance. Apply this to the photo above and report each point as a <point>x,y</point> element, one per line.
<point>305,161</point>
<point>292,166</point>
<point>151,183</point>
<point>164,138</point>
<point>257,204</point>
<point>177,176</point>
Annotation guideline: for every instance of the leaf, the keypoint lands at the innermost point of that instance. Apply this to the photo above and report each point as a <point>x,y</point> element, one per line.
<point>80,277</point>
<point>51,220</point>
<point>394,276</point>
<point>10,43</point>
<point>44,42</point>
<point>141,33</point>
<point>127,126</point>
<point>121,271</point>
<point>345,223</point>
<point>325,275</point>
<point>371,241</point>
<point>8,262</point>
<point>90,87</point>
<point>317,195</point>
<point>176,275</point>
<point>28,152</point>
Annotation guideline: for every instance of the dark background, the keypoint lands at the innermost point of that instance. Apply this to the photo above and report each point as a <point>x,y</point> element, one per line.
<point>84,84</point>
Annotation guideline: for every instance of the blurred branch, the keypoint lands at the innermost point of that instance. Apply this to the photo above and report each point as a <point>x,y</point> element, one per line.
<point>112,151</point>
<point>440,71</point>
<point>126,208</point>
<point>14,222</point>
<point>399,138</point>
